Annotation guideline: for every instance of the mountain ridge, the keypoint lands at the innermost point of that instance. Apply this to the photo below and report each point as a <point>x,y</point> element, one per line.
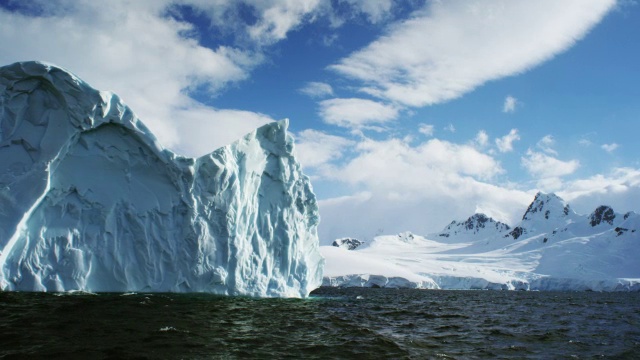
<point>551,248</point>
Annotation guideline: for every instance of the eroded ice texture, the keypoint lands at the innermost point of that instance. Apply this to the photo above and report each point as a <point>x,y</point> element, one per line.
<point>90,201</point>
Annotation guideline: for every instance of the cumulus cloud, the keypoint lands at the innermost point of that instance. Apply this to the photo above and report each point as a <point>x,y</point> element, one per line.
<point>315,148</point>
<point>146,57</point>
<point>430,184</point>
<point>451,47</point>
<point>426,129</point>
<point>620,188</point>
<point>422,215</point>
<point>609,147</point>
<point>200,127</point>
<point>509,105</point>
<point>401,171</point>
<point>436,181</point>
<point>482,138</point>
<point>545,166</point>
<point>505,143</point>
<point>317,89</point>
<point>356,113</point>
<point>277,18</point>
<point>148,53</point>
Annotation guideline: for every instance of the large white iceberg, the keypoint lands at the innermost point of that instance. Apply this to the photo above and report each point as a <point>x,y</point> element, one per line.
<point>90,201</point>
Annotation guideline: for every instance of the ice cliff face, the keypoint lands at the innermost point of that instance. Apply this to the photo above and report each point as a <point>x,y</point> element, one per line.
<point>90,201</point>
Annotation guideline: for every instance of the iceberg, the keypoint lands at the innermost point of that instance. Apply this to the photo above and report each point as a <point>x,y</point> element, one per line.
<point>90,201</point>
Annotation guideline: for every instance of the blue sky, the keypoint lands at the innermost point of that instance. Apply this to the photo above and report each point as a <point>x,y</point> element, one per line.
<point>407,114</point>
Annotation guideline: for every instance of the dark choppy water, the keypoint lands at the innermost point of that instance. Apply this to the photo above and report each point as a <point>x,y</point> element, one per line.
<point>335,323</point>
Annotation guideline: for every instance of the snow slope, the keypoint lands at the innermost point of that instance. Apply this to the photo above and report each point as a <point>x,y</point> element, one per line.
<point>90,201</point>
<point>552,248</point>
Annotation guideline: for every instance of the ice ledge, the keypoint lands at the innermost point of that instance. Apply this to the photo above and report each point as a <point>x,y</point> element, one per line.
<point>449,282</point>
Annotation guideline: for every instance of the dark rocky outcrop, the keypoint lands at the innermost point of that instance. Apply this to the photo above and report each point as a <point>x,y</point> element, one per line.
<point>602,214</point>
<point>347,243</point>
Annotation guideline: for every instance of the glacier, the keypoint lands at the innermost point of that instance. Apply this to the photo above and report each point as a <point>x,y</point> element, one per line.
<point>551,248</point>
<point>90,201</point>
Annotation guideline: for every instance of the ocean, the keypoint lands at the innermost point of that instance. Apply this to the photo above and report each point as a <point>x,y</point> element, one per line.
<point>333,324</point>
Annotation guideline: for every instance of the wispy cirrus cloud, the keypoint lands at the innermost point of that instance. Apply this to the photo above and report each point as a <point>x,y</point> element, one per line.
<point>546,144</point>
<point>451,47</point>
<point>450,128</point>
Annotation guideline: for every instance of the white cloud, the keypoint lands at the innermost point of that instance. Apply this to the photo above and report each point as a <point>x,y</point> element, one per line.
<point>316,148</point>
<point>375,10</point>
<point>450,128</point>
<point>505,143</point>
<point>426,129</point>
<point>356,113</point>
<point>328,40</point>
<point>546,144</point>
<point>147,58</point>
<point>609,147</point>
<point>545,166</point>
<point>619,189</point>
<point>200,127</point>
<point>393,164</point>
<point>277,18</point>
<point>585,142</point>
<point>451,47</point>
<point>509,105</point>
<point>317,89</point>
<point>427,185</point>
<point>482,138</point>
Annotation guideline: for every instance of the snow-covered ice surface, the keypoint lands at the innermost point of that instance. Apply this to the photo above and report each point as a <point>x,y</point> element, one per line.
<point>89,201</point>
<point>552,248</point>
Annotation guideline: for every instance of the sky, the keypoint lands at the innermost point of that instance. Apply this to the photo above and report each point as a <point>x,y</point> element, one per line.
<point>407,114</point>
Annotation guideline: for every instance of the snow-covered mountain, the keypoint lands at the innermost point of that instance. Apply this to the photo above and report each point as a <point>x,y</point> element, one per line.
<point>546,213</point>
<point>476,227</point>
<point>90,201</point>
<point>551,248</point>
